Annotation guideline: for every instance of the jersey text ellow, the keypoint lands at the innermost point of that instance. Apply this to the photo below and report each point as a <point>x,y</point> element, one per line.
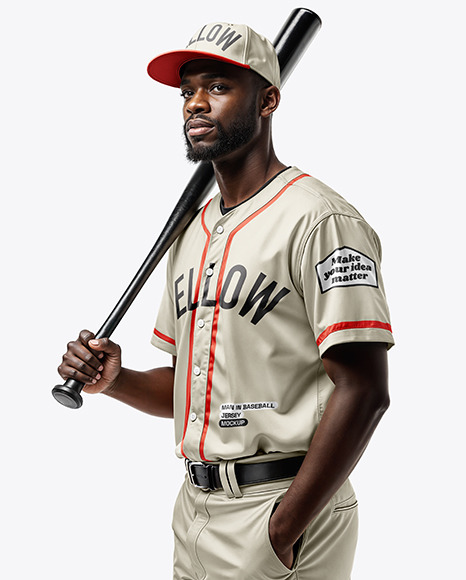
<point>236,289</point>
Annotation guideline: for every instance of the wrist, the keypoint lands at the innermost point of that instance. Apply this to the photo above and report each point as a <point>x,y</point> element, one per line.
<point>112,388</point>
<point>280,537</point>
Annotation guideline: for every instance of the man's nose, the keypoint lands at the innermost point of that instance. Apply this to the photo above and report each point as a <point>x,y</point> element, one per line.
<point>198,103</point>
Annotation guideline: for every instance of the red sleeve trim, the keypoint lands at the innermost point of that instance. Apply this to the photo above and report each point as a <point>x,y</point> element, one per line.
<point>352,325</point>
<point>164,337</point>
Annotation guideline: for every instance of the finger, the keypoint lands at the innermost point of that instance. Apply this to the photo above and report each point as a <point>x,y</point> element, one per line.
<point>85,336</point>
<point>83,353</point>
<point>80,365</point>
<point>69,372</point>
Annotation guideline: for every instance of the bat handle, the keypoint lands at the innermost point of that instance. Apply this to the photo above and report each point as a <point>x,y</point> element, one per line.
<point>69,394</point>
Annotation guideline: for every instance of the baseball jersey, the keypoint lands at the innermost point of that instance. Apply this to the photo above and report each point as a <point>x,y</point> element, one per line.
<point>254,297</point>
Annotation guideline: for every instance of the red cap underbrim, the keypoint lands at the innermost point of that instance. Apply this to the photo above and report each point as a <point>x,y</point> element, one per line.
<point>166,67</point>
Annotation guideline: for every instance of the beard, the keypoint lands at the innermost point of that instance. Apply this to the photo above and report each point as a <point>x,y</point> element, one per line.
<point>229,139</point>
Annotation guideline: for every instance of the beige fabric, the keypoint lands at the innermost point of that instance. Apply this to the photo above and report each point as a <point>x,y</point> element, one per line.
<point>253,300</point>
<point>237,44</point>
<point>222,538</point>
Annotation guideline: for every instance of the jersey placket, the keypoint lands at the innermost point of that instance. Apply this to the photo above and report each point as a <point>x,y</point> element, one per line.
<point>201,342</point>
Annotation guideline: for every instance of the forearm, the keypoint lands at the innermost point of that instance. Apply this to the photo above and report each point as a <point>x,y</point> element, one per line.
<point>148,391</point>
<point>356,406</point>
<point>339,442</point>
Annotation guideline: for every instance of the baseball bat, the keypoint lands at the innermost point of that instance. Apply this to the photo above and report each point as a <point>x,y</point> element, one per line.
<point>290,44</point>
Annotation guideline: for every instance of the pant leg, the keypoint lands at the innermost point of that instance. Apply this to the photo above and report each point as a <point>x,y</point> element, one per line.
<point>329,542</point>
<point>223,538</point>
<point>189,518</point>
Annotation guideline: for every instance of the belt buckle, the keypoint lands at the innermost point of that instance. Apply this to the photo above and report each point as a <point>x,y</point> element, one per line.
<point>189,468</point>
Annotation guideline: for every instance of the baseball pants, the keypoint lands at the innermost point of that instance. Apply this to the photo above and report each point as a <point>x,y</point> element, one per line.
<point>220,536</point>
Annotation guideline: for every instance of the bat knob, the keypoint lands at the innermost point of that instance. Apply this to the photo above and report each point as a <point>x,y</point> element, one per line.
<point>68,396</point>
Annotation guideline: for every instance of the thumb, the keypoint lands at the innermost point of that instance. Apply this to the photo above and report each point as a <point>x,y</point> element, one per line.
<point>104,345</point>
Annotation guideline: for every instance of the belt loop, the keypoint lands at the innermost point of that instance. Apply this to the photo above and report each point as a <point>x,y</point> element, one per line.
<point>222,471</point>
<point>231,475</point>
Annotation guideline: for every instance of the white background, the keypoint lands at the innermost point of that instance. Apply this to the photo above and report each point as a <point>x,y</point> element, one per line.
<point>92,164</point>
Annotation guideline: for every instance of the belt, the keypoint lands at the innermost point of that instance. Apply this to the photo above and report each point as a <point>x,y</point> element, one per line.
<point>207,476</point>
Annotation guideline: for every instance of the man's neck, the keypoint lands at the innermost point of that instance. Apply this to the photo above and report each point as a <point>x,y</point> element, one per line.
<point>239,178</point>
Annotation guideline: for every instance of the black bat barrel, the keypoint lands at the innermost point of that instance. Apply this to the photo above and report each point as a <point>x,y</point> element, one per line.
<point>291,43</point>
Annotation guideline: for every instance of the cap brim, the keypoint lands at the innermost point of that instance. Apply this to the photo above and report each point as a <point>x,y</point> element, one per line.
<point>166,67</point>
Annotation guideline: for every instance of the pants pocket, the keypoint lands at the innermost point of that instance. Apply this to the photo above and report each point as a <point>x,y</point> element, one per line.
<point>273,560</point>
<point>345,499</point>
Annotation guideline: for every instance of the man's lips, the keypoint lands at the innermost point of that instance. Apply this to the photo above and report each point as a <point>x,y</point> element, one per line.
<point>196,127</point>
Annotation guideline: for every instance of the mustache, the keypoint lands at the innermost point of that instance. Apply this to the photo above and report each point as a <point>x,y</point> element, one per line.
<point>202,117</point>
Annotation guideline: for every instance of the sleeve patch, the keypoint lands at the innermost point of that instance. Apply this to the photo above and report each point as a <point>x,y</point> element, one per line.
<point>346,267</point>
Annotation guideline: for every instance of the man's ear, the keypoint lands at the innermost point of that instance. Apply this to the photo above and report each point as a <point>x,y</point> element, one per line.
<point>270,99</point>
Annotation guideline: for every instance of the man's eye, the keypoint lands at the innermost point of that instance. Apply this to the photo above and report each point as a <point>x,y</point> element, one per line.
<point>186,94</point>
<point>218,88</point>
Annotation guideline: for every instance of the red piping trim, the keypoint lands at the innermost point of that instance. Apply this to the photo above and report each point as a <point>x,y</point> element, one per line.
<point>192,328</point>
<point>164,337</point>
<point>213,343</point>
<point>203,220</point>
<point>352,325</point>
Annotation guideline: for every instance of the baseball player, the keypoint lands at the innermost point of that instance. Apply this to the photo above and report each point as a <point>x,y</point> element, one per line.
<point>275,315</point>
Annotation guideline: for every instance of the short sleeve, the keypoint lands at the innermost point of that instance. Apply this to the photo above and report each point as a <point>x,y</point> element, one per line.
<point>163,336</point>
<point>342,285</point>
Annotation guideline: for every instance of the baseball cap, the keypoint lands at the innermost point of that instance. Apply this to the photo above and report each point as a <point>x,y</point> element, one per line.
<point>231,43</point>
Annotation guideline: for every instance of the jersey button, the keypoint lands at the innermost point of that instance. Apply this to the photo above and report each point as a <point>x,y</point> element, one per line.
<point>193,416</point>
<point>201,323</point>
<point>209,272</point>
<point>220,230</point>
<point>197,371</point>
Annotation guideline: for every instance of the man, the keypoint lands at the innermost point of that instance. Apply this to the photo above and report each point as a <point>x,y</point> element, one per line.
<point>275,315</point>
